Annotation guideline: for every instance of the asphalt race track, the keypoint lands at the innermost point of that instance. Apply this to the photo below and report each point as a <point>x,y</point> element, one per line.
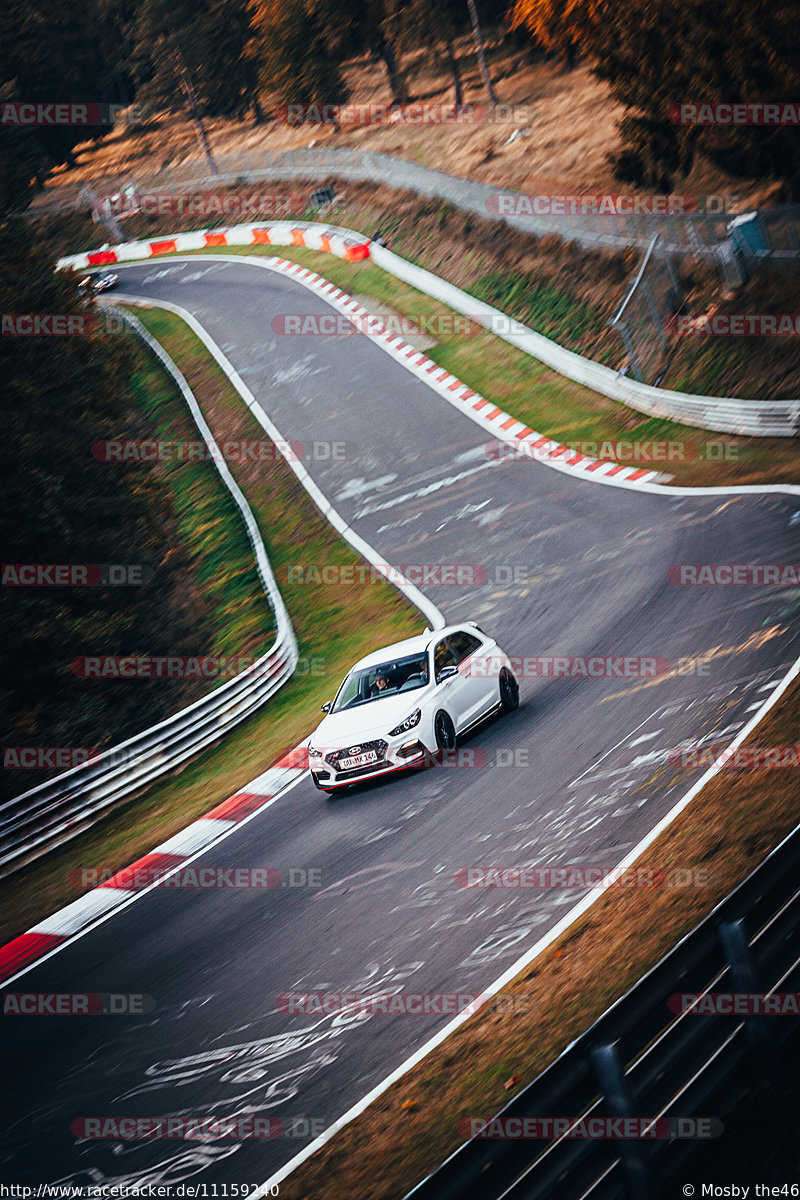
<point>589,779</point>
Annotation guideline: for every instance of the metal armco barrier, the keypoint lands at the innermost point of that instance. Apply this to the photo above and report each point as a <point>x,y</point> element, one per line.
<point>772,234</point>
<point>47,815</point>
<point>751,418</point>
<point>640,1060</point>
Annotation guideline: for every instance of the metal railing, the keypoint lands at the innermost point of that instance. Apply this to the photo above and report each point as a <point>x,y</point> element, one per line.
<point>767,235</point>
<point>723,414</point>
<point>45,816</point>
<point>638,1060</point>
<point>642,320</point>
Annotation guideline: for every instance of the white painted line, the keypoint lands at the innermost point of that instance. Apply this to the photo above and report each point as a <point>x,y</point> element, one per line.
<point>426,606</point>
<point>525,959</point>
<point>620,480</point>
<point>133,897</point>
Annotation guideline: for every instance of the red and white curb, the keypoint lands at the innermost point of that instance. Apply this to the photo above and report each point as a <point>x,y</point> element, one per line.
<point>498,423</point>
<point>342,243</point>
<point>147,872</point>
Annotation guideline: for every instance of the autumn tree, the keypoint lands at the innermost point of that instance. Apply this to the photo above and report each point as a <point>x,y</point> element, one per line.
<point>655,58</point>
<point>560,27</point>
<point>291,53</point>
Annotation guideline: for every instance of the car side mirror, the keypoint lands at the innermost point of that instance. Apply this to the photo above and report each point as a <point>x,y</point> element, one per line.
<point>446,673</point>
<point>327,706</point>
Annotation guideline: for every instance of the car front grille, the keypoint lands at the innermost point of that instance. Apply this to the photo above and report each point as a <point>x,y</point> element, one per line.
<point>379,745</point>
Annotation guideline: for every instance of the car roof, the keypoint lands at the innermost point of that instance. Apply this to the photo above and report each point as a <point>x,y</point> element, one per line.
<point>413,645</point>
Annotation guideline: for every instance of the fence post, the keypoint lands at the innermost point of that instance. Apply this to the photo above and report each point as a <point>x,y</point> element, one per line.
<point>619,1101</point>
<point>745,980</point>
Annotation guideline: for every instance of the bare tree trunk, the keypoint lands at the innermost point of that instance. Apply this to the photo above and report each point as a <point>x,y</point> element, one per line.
<point>397,83</point>
<point>476,33</point>
<point>194,111</point>
<point>447,36</point>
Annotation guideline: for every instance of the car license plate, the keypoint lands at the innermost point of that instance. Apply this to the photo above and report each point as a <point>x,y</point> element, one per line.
<point>358,760</point>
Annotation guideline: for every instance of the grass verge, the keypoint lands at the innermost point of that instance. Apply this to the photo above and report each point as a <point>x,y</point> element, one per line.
<point>563,290</point>
<point>334,625</point>
<point>727,830</point>
<point>209,523</point>
<point>546,400</point>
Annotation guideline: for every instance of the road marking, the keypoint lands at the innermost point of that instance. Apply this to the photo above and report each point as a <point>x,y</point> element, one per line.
<point>646,737</point>
<point>525,959</point>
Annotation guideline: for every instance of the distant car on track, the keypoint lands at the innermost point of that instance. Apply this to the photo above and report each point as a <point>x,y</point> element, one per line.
<point>400,705</point>
<point>100,282</point>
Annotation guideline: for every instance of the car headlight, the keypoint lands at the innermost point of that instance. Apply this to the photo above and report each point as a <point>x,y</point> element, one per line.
<point>409,723</point>
<point>314,753</point>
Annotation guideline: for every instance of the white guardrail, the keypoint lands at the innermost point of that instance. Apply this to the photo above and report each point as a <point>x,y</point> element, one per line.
<point>746,418</point>
<point>47,815</point>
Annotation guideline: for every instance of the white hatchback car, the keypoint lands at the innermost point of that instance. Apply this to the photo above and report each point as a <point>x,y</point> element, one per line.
<point>400,705</point>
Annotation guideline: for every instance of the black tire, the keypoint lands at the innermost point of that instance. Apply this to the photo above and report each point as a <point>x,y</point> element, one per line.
<point>509,691</point>
<point>444,731</point>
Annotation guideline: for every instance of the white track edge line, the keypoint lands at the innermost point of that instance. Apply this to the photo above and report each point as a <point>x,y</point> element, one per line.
<point>417,598</point>
<point>655,489</point>
<point>132,897</point>
<point>525,959</point>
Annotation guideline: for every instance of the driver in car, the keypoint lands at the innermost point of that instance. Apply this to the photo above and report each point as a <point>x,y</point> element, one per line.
<point>380,685</point>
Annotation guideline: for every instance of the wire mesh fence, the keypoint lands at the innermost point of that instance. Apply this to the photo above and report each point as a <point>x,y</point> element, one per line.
<point>647,316</point>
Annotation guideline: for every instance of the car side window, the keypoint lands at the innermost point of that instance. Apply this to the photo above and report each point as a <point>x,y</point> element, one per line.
<point>443,656</point>
<point>464,644</point>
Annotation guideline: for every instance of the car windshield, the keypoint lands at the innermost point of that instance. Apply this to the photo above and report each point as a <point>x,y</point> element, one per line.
<point>384,679</point>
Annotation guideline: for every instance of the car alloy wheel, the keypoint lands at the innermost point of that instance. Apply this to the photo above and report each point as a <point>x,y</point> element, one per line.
<point>509,691</point>
<point>444,731</point>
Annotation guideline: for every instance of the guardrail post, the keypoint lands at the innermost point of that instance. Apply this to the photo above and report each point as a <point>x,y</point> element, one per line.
<point>627,341</point>
<point>619,1100</point>
<point>745,980</point>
